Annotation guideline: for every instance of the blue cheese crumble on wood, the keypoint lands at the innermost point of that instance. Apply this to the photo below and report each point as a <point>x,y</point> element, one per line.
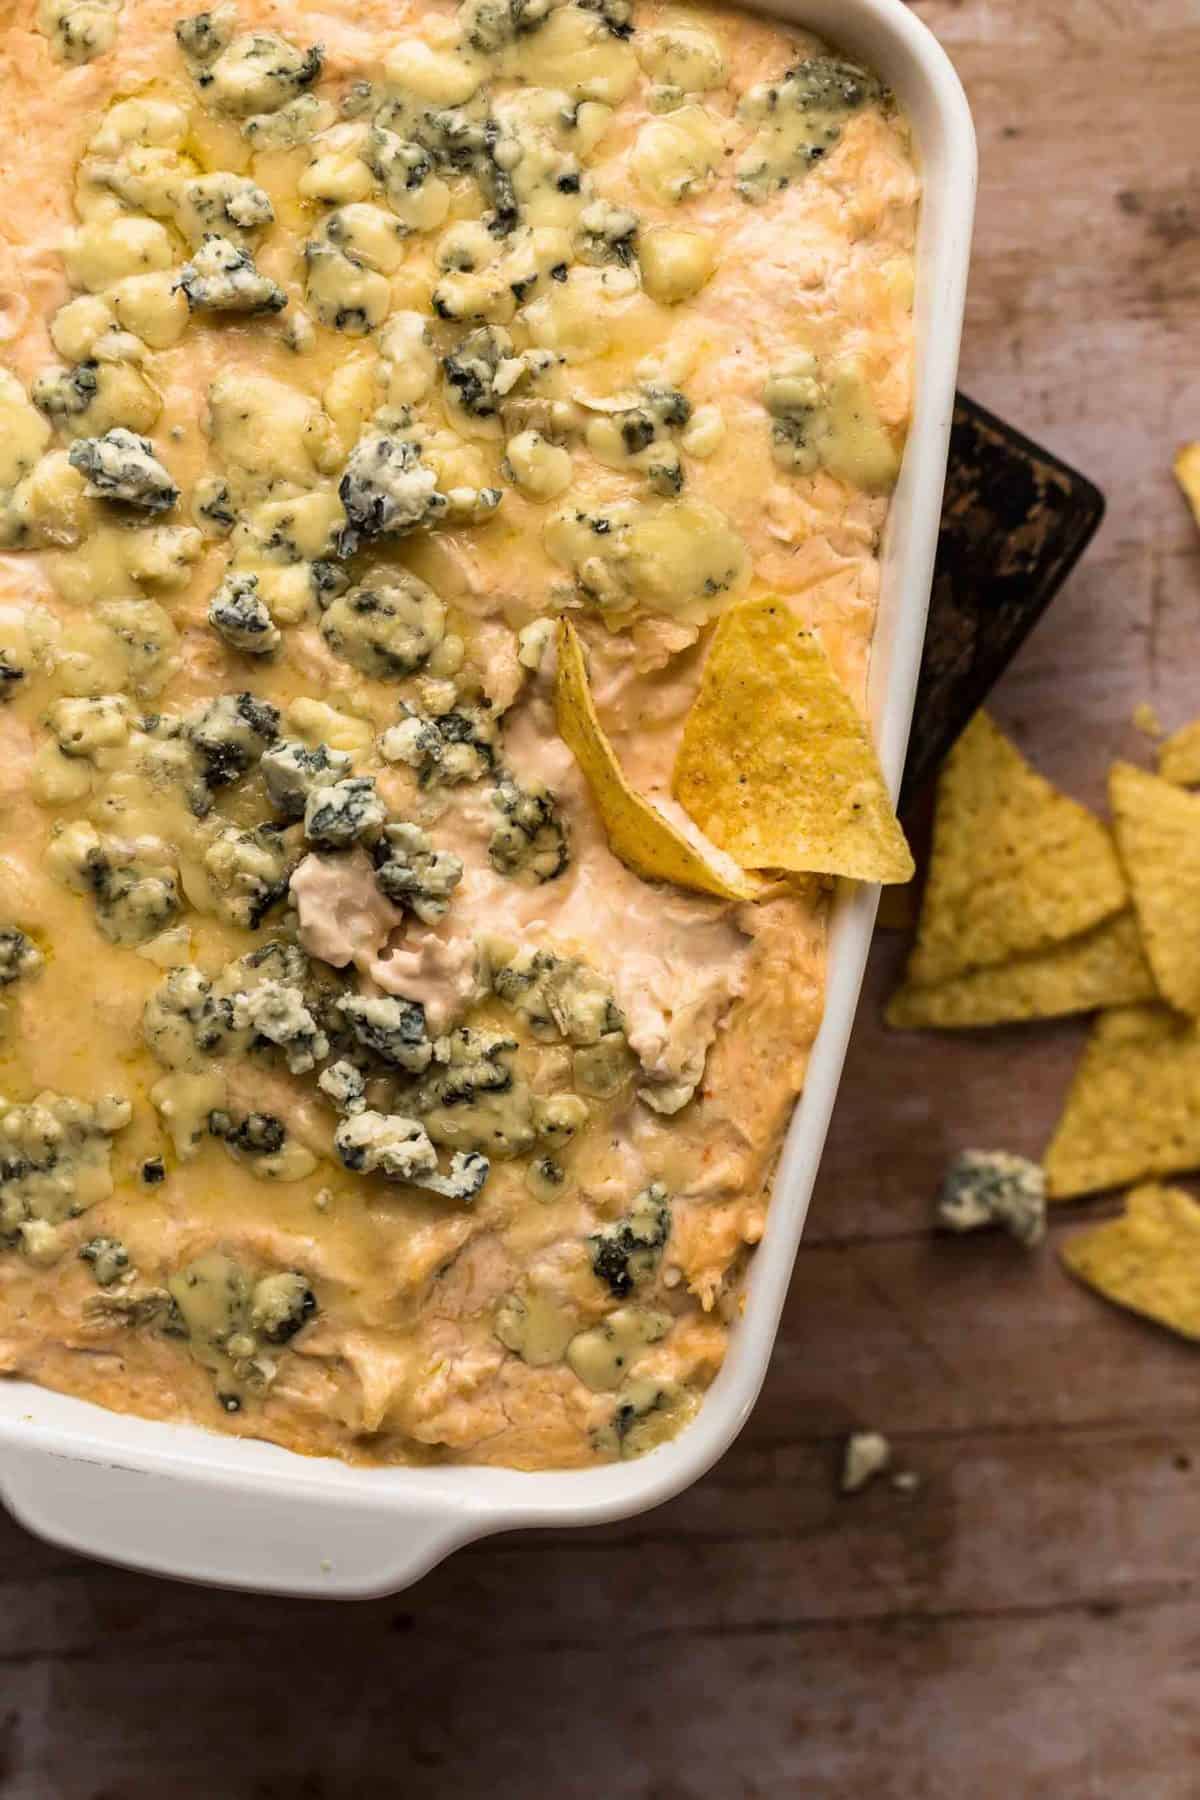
<point>994,1187</point>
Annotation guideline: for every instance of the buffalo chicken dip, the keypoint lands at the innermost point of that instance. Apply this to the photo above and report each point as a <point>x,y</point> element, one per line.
<point>397,403</point>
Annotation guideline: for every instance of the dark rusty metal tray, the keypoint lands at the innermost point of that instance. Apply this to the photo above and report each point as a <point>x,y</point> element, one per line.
<point>1015,521</point>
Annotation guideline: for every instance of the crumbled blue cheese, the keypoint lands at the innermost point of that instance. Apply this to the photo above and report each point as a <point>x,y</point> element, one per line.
<point>458,745</point>
<point>203,36</point>
<point>418,196</point>
<point>393,1029</point>
<point>675,264</point>
<point>19,955</point>
<point>628,1251</point>
<point>122,466</point>
<point>866,1455</point>
<point>79,30</point>
<point>107,1258</point>
<point>800,119</point>
<point>185,1102</point>
<point>54,1163</point>
<point>637,435</point>
<point>389,629</point>
<point>88,727</point>
<point>342,292</point>
<point>261,1142</point>
<point>649,1410</point>
<point>343,813</point>
<point>250,870</point>
<point>295,122</point>
<point>413,874</point>
<point>133,887</point>
<point>602,1357</point>
<point>994,1187</point>
<point>230,1321</point>
<point>541,469</point>
<point>607,233</point>
<point>222,203</point>
<point>185,1024</point>
<point>472,1098</point>
<point>558,997</point>
<point>293,773</point>
<point>223,277</point>
<point>345,1085</point>
<point>238,613</point>
<point>530,841</point>
<point>280,1305</point>
<point>230,735</point>
<point>256,73</point>
<point>387,491</point>
<point>276,1012</point>
<point>399,1149</point>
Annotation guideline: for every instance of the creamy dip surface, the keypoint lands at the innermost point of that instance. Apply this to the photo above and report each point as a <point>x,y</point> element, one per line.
<point>353,1094</point>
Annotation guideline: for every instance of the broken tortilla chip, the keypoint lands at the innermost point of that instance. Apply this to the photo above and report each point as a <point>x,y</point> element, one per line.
<point>1158,836</point>
<point>1134,1106</point>
<point>636,831</point>
<point>776,766</point>
<point>1015,867</point>
<point>1102,967</point>
<point>1179,757</point>
<point>1187,474</point>
<point>1148,1260</point>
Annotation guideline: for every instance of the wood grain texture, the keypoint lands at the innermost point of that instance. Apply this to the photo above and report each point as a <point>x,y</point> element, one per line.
<point>1027,1621</point>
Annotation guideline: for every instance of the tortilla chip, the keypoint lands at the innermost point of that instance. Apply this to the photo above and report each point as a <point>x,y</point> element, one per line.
<point>776,766</point>
<point>636,831</point>
<point>1103,967</point>
<point>1179,757</point>
<point>1015,867</point>
<point>1187,474</point>
<point>1134,1106</point>
<point>1158,836</point>
<point>1148,1260</point>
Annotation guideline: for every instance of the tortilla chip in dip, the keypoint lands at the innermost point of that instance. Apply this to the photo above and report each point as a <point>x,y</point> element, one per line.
<point>1134,1106</point>
<point>1158,835</point>
<point>1015,867</point>
<point>1187,474</point>
<point>776,766</point>
<point>1179,757</point>
<point>637,832</point>
<point>1148,1260</point>
<point>1102,967</point>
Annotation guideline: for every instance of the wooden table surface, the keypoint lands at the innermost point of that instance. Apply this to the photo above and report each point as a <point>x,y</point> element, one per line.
<point>1027,1622</point>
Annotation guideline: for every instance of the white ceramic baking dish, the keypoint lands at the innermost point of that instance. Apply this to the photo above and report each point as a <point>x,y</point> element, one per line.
<point>181,1501</point>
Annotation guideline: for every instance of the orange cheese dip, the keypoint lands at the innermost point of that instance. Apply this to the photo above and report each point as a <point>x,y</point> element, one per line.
<point>353,1094</point>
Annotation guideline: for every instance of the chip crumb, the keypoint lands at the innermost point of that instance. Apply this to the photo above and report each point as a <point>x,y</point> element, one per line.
<point>867,1454</point>
<point>994,1187</point>
<point>906,1481</point>
<point>1145,719</point>
<point>1146,1260</point>
<point>1187,474</point>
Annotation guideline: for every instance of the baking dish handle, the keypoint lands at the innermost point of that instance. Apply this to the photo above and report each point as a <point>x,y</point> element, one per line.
<point>299,1541</point>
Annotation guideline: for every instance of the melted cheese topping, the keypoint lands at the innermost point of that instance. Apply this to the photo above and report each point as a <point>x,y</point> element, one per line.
<point>352,1094</point>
